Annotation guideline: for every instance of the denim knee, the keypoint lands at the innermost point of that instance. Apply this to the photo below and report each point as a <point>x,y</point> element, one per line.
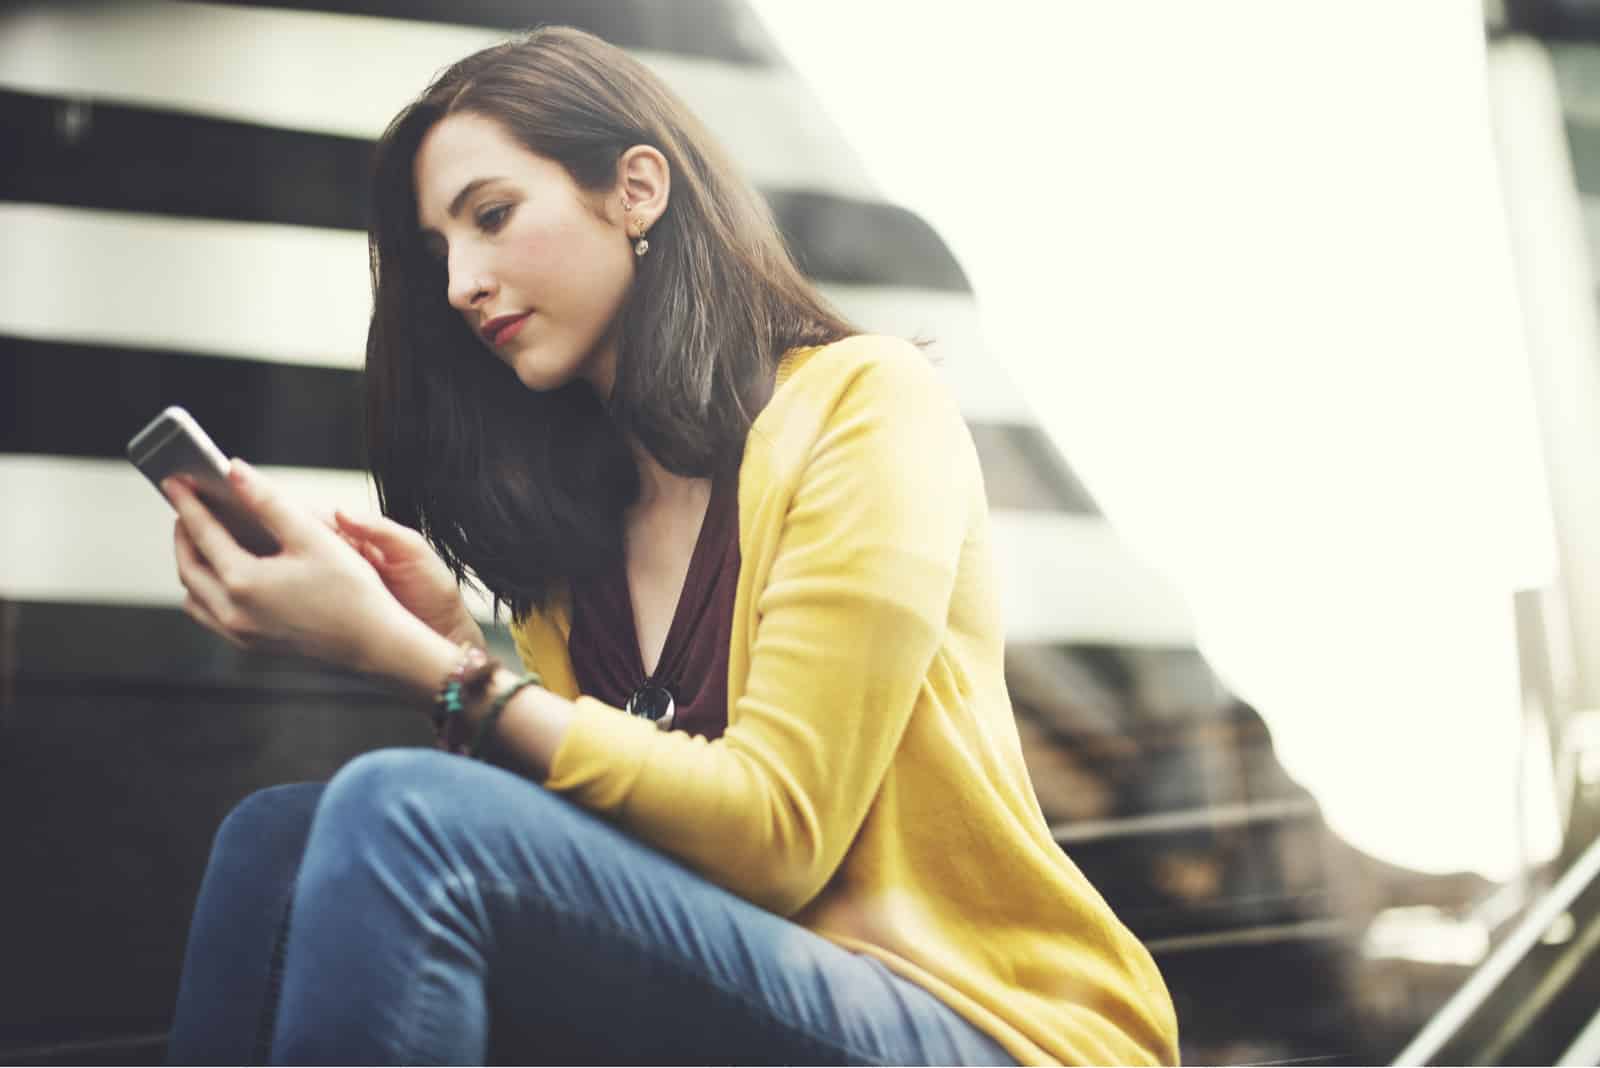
<point>386,792</point>
<point>377,782</point>
<point>268,816</point>
<point>441,816</point>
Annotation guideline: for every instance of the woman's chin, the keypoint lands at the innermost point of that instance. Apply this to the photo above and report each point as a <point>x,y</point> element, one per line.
<point>538,375</point>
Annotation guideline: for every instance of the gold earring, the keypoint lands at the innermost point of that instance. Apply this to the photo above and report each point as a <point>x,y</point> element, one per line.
<point>641,246</point>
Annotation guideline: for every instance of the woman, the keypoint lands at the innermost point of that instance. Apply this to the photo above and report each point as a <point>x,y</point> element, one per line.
<point>599,384</point>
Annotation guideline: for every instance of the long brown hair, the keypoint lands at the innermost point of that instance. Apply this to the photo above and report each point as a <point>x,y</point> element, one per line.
<point>519,488</point>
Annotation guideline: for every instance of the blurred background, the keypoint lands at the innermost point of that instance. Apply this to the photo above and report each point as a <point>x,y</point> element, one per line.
<point>1275,326</point>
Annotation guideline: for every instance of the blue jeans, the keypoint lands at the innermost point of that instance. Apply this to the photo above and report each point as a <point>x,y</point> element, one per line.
<point>429,909</point>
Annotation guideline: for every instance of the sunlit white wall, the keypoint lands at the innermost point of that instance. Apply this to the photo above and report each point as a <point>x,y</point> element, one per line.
<point>1250,262</point>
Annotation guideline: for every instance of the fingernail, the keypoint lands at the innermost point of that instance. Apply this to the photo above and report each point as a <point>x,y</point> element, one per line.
<point>241,470</point>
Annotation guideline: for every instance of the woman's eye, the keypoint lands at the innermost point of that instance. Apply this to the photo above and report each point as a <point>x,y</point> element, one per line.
<point>491,219</point>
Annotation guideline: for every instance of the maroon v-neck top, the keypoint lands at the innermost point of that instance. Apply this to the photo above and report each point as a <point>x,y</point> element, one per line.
<point>693,666</point>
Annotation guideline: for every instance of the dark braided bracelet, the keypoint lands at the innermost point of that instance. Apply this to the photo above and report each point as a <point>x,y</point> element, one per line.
<point>485,735</point>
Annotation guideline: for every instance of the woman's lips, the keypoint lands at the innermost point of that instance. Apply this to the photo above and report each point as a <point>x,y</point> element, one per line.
<point>505,333</point>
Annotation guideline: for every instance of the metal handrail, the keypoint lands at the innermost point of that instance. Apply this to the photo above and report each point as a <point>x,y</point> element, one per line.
<point>1449,1021</point>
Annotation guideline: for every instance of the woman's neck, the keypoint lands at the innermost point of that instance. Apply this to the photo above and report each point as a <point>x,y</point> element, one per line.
<point>660,488</point>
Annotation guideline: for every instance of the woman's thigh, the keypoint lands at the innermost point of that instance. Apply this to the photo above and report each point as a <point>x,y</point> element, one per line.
<point>467,894</point>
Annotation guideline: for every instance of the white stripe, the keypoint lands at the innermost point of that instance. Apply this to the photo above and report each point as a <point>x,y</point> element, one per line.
<point>1589,205</point>
<point>94,531</point>
<point>286,293</point>
<point>1071,578</point>
<point>951,320</point>
<point>300,295</point>
<point>350,74</point>
<point>1304,931</point>
<point>1210,818</point>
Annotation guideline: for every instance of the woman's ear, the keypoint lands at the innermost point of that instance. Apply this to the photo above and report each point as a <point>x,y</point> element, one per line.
<point>644,182</point>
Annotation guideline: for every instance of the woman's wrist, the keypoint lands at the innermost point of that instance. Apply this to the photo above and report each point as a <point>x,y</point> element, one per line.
<point>466,631</point>
<point>412,654</point>
<point>530,726</point>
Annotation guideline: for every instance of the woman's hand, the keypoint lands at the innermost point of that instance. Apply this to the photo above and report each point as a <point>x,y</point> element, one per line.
<point>316,597</point>
<point>413,573</point>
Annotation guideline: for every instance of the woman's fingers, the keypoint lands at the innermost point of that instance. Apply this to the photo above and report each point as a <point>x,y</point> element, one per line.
<point>346,521</point>
<point>318,597</point>
<point>290,523</point>
<point>206,593</point>
<point>353,535</point>
<point>380,529</point>
<point>208,536</point>
<point>200,614</point>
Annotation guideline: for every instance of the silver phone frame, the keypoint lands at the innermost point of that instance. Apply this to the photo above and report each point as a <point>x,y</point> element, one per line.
<point>150,441</point>
<point>212,485</point>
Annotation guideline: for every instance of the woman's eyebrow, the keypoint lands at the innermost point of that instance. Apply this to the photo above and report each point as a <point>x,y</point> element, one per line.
<point>466,191</point>
<point>460,199</point>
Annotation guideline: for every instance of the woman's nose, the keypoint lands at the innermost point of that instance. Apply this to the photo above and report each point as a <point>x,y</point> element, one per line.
<point>468,287</point>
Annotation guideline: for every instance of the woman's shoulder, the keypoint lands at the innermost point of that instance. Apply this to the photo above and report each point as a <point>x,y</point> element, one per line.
<point>873,390</point>
<point>858,352</point>
<point>884,378</point>
<point>867,366</point>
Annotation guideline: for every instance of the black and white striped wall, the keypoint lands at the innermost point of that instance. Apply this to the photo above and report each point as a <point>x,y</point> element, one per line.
<point>187,224</point>
<point>182,211</point>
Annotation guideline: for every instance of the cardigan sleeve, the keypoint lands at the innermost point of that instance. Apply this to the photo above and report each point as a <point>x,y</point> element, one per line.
<point>850,618</point>
<point>541,643</point>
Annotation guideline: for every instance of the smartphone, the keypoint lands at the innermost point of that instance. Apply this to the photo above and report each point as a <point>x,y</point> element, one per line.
<point>174,444</point>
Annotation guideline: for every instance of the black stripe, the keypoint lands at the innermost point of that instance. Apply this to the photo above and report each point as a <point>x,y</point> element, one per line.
<point>1577,21</point>
<point>122,157</point>
<point>1583,139</point>
<point>1144,729</point>
<point>67,399</point>
<point>125,776</point>
<point>1023,470</point>
<point>1084,689</point>
<point>870,243</point>
<point>712,29</point>
<point>157,649</point>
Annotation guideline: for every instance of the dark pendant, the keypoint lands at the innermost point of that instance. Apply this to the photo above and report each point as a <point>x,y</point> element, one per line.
<point>653,702</point>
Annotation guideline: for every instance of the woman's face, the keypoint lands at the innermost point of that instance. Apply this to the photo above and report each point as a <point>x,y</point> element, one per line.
<point>537,266</point>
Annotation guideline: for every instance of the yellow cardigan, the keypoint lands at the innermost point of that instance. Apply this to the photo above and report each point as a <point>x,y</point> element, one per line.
<point>871,785</point>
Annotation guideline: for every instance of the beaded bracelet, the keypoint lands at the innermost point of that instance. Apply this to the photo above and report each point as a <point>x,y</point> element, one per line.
<point>471,674</point>
<point>485,732</point>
